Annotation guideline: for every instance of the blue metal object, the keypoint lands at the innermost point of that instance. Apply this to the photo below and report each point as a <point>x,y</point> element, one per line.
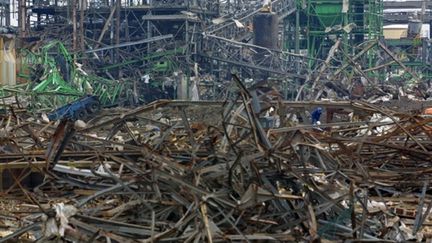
<point>80,109</point>
<point>316,115</point>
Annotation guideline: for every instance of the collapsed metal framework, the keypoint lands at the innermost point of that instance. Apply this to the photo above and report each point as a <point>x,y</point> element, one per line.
<point>226,44</point>
<point>188,21</point>
<point>128,181</point>
<point>122,39</point>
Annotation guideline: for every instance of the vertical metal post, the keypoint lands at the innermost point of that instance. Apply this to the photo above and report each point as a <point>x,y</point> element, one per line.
<point>22,17</point>
<point>127,33</point>
<point>82,42</point>
<point>430,29</point>
<point>297,32</point>
<point>188,40</point>
<point>345,36</point>
<point>74,25</point>
<point>117,29</point>
<point>112,26</point>
<point>8,16</point>
<point>2,14</point>
<point>149,33</point>
<point>117,35</point>
<point>423,10</point>
<point>38,21</point>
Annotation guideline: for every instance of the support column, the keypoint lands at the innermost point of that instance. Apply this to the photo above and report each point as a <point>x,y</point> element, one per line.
<point>297,36</point>
<point>117,29</point>
<point>112,30</point>
<point>74,25</point>
<point>117,37</point>
<point>7,14</point>
<point>149,32</point>
<point>430,29</point>
<point>82,6</point>
<point>22,18</point>
<point>39,19</point>
<point>127,33</point>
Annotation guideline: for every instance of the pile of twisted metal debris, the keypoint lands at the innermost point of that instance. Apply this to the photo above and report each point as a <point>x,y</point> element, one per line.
<point>181,171</point>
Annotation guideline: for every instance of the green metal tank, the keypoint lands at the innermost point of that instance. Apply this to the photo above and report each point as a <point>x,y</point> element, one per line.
<point>328,13</point>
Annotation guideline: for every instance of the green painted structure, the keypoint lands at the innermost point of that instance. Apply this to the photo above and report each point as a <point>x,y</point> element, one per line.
<point>318,23</point>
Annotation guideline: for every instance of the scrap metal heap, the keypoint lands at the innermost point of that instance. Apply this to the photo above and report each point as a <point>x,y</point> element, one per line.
<point>183,171</point>
<point>347,159</point>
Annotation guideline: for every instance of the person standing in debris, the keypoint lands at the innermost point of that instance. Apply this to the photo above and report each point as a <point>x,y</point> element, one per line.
<point>316,115</point>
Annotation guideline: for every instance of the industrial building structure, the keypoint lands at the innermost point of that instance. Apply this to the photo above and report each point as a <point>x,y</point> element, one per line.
<point>215,121</point>
<point>283,39</point>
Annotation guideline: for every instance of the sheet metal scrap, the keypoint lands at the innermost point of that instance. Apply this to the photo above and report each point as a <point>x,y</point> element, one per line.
<point>160,173</point>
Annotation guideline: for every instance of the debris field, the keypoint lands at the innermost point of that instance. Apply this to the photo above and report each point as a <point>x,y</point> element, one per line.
<point>184,171</point>
<point>215,121</point>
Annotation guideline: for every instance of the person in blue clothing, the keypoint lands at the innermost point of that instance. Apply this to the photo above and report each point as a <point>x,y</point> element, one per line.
<point>316,115</point>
